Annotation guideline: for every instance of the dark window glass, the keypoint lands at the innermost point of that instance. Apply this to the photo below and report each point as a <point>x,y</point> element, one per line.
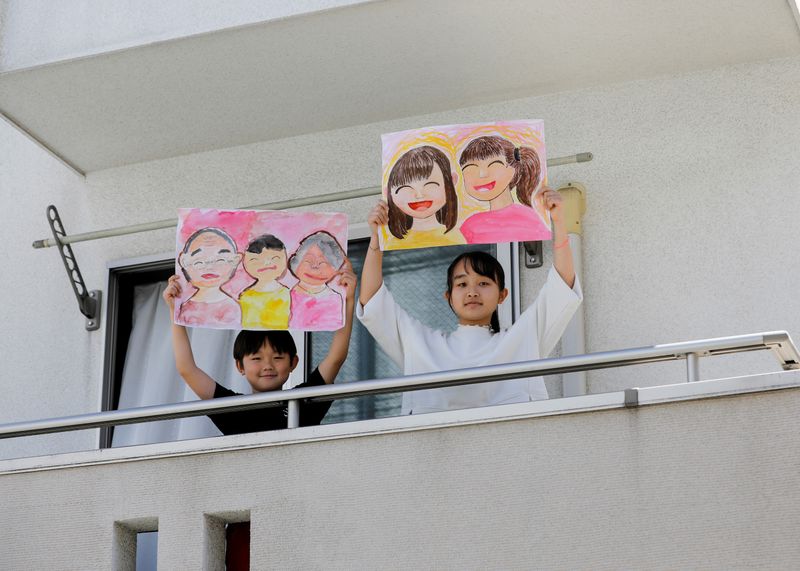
<point>237,546</point>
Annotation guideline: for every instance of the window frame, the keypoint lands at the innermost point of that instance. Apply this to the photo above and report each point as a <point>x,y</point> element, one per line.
<point>120,274</point>
<point>507,253</point>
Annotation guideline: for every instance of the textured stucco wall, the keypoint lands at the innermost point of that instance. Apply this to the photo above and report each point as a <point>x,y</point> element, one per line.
<point>48,362</point>
<point>37,32</point>
<point>709,484</point>
<point>691,229</point>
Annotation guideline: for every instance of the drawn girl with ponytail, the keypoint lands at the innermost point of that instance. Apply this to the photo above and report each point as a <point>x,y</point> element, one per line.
<point>492,166</point>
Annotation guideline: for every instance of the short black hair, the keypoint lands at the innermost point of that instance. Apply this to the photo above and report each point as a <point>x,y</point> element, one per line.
<point>249,342</point>
<point>265,242</point>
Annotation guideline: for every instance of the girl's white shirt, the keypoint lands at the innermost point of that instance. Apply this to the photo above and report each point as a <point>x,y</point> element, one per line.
<point>419,349</point>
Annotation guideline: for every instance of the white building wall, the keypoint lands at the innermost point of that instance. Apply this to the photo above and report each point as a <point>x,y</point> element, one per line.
<point>37,32</point>
<point>707,484</point>
<point>48,362</point>
<point>691,229</point>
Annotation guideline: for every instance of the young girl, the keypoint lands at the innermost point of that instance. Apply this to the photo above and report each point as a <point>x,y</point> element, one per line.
<point>491,167</point>
<point>421,196</point>
<point>475,287</point>
<point>316,261</point>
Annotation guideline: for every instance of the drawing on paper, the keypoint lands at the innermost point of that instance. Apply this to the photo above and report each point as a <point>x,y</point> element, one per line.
<point>254,269</point>
<point>465,184</point>
<point>316,261</point>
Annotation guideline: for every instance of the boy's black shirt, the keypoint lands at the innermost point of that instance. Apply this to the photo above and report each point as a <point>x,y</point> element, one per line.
<point>272,418</point>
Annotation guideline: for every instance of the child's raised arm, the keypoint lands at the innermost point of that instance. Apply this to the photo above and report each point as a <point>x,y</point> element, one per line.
<point>562,254</point>
<point>340,344</point>
<point>372,274</point>
<point>202,385</point>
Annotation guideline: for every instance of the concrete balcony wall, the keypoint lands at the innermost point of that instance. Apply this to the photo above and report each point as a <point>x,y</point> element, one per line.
<point>709,484</point>
<point>38,32</point>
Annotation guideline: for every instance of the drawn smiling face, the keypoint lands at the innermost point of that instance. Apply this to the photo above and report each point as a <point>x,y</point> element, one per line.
<point>486,179</point>
<point>266,266</point>
<point>314,268</point>
<point>209,260</point>
<point>421,198</point>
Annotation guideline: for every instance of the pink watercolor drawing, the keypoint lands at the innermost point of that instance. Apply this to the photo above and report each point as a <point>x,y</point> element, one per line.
<point>208,261</point>
<point>266,303</point>
<point>316,261</point>
<point>492,196</point>
<point>239,273</point>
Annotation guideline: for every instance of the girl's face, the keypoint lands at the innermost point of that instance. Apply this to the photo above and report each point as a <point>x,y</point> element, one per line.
<point>267,266</point>
<point>474,297</point>
<point>422,198</point>
<point>209,261</point>
<point>314,268</point>
<point>486,179</point>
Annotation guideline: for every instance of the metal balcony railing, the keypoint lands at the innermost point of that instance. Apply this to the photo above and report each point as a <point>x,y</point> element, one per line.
<point>778,342</point>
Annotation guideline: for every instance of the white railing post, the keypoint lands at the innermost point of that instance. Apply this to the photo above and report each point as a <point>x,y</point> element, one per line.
<point>293,421</point>
<point>692,367</point>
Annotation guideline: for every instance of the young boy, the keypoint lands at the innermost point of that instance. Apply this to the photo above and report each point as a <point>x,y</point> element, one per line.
<point>265,358</point>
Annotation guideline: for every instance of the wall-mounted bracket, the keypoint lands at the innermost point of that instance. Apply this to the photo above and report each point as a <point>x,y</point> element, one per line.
<point>534,257</point>
<point>88,301</point>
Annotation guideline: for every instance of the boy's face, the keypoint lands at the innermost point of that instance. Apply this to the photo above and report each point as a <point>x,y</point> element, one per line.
<point>267,266</point>
<point>266,369</point>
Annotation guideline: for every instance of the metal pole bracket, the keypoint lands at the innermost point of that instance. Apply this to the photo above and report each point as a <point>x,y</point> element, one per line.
<point>88,301</point>
<point>534,255</point>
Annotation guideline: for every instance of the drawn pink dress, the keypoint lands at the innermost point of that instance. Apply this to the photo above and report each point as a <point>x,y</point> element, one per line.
<point>514,223</point>
<point>316,312</point>
<point>223,313</point>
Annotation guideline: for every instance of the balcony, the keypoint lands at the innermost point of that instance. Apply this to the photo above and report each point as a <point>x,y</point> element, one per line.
<point>697,474</point>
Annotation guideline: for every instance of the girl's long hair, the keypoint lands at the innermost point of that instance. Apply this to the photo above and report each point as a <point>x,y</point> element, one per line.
<point>417,164</point>
<point>482,264</point>
<point>525,160</point>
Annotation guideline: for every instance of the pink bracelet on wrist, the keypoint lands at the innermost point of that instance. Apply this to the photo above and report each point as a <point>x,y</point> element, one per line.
<point>562,244</point>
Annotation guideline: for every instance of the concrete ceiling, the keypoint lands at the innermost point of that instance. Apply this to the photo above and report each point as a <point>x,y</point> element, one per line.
<point>371,62</point>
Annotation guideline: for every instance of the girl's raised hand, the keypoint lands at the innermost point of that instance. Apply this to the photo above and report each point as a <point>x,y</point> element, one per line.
<point>347,279</point>
<point>172,292</point>
<point>552,202</point>
<point>378,216</point>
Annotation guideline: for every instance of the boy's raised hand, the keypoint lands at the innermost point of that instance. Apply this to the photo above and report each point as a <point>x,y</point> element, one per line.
<point>378,216</point>
<point>347,279</point>
<point>172,292</point>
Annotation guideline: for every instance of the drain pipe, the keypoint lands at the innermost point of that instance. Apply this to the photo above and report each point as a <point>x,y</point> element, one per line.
<point>573,342</point>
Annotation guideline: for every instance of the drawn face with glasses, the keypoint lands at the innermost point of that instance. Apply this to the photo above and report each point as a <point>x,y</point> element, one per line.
<point>209,258</point>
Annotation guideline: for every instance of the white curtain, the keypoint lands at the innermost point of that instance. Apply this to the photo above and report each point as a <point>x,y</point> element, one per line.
<point>149,376</point>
